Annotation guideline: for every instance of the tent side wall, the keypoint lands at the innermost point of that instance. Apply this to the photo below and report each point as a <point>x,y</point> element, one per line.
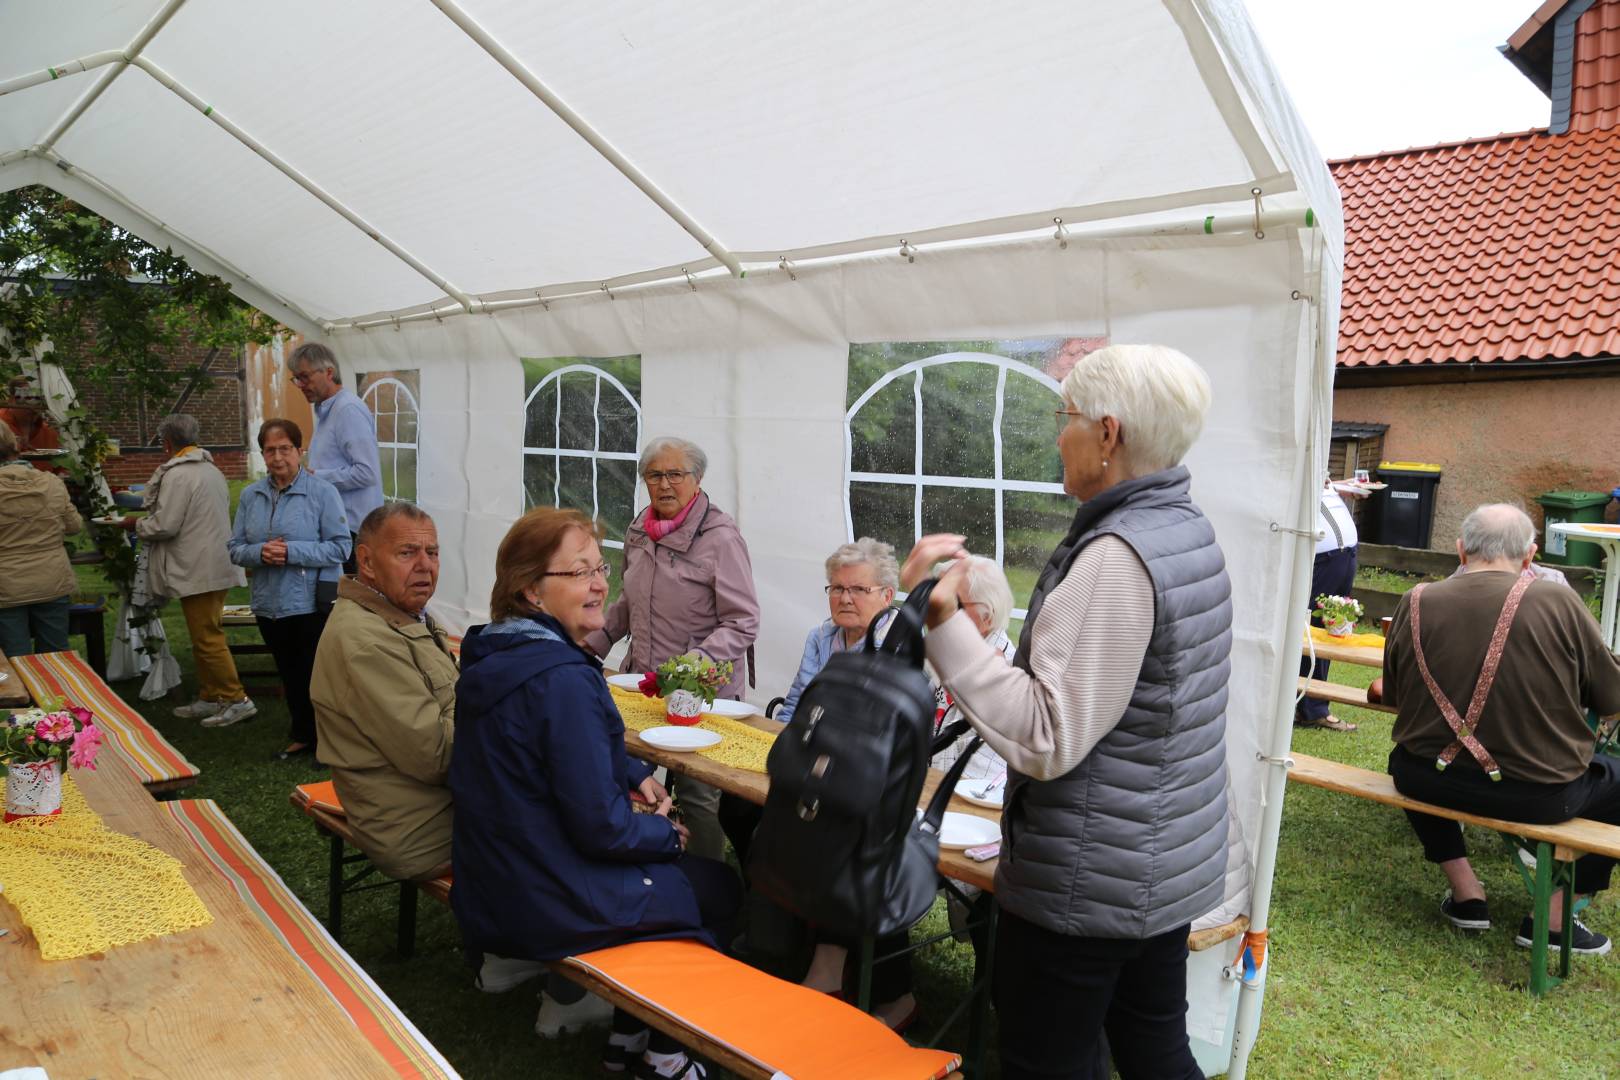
<point>756,373</point>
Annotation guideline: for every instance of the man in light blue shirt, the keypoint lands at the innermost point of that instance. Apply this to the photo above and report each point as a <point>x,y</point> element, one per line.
<point>343,450</point>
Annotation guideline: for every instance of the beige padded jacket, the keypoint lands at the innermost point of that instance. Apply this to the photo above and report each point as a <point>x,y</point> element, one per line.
<point>35,516</point>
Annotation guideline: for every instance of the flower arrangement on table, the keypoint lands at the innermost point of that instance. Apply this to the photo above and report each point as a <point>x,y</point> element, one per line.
<point>35,745</point>
<point>687,683</point>
<point>1339,614</point>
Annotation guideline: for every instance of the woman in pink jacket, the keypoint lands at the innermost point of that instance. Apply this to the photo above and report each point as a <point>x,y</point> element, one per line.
<point>688,587</point>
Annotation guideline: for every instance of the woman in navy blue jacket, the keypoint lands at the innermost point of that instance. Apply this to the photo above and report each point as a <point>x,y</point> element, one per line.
<point>549,858</point>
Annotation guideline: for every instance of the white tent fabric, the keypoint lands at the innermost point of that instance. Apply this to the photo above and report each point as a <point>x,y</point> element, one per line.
<point>451,188</point>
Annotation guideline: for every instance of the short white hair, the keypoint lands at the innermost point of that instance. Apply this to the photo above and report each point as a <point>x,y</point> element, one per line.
<point>1158,395</point>
<point>987,585</point>
<point>1497,531</point>
<point>867,552</point>
<point>696,459</point>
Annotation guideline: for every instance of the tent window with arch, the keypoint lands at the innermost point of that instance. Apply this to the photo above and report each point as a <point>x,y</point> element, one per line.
<point>581,433</point>
<point>946,438</point>
<point>392,399</point>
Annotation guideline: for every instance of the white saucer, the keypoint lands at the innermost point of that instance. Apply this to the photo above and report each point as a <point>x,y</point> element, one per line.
<point>727,707</point>
<point>967,830</point>
<point>960,831</point>
<point>965,789</point>
<point>625,682</point>
<point>680,739</point>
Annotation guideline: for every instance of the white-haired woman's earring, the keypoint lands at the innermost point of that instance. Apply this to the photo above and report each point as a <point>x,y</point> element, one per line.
<point>1105,463</point>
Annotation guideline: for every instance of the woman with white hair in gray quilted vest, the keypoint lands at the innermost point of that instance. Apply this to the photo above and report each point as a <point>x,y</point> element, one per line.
<point>1112,720</point>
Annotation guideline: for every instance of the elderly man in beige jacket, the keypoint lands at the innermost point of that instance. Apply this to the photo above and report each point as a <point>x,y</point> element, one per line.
<point>384,691</point>
<point>185,530</point>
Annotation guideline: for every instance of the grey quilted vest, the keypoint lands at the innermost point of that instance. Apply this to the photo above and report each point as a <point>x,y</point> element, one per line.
<point>1131,843</point>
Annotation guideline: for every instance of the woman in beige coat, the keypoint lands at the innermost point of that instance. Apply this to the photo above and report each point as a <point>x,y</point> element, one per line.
<point>186,530</point>
<point>36,581</point>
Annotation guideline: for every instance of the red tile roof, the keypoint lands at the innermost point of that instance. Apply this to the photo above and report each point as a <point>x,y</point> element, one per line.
<point>1494,250</point>
<point>1594,101</point>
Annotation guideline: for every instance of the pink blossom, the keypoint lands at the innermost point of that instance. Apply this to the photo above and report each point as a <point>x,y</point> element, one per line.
<point>82,715</point>
<point>85,748</point>
<point>55,727</point>
<point>649,684</point>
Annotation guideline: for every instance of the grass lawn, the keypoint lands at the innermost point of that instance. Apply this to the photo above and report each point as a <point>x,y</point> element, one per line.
<point>1366,979</point>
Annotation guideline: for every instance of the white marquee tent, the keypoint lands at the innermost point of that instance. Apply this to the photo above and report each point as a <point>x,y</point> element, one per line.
<point>735,194</point>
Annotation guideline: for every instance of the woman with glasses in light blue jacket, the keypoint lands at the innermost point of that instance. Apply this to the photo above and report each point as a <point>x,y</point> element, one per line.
<point>291,530</point>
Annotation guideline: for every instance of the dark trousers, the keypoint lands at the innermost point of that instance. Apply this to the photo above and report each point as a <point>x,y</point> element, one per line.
<point>719,898</point>
<point>354,546</point>
<point>1056,995</point>
<point>1463,786</point>
<point>31,628</point>
<point>292,641</point>
<point>1333,573</point>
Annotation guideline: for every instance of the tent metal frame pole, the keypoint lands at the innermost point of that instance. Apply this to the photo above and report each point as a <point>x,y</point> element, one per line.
<point>582,127</point>
<point>129,56</point>
<point>1207,225</point>
<point>57,71</point>
<point>332,202</point>
<point>150,228</point>
<point>1275,757</point>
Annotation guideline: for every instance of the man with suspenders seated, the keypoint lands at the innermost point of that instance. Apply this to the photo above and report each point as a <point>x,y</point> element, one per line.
<point>1492,673</point>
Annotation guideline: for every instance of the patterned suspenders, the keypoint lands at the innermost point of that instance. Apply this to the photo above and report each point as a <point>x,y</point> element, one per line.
<point>1463,727</point>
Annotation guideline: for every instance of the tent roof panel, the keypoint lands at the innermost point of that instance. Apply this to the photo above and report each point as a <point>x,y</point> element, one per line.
<point>435,145</point>
<point>25,115</point>
<point>786,127</point>
<point>174,164</point>
<point>46,33</point>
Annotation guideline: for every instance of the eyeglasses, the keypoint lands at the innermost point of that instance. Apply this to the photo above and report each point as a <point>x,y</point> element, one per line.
<point>301,378</point>
<point>673,476</point>
<point>851,590</point>
<point>584,573</point>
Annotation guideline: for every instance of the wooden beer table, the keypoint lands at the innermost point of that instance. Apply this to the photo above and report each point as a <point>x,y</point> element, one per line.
<point>227,999</point>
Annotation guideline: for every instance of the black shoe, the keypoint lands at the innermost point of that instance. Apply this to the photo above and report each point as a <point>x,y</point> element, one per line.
<point>1466,914</point>
<point>1583,942</point>
<point>303,754</point>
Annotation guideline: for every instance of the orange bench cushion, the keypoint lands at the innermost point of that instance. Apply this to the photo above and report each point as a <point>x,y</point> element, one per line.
<point>320,796</point>
<point>67,676</point>
<point>263,891</point>
<point>782,1027</point>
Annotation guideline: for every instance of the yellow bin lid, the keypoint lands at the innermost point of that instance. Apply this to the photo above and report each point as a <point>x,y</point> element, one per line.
<point>1409,466</point>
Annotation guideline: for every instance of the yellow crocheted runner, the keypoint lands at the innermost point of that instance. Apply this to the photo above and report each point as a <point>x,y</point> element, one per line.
<point>742,746</point>
<point>82,888</point>
<point>1322,637</point>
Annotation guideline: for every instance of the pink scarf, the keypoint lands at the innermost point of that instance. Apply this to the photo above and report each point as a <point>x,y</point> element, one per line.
<point>658,527</point>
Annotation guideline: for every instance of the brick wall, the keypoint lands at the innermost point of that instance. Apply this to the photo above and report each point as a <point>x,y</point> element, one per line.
<point>214,397</point>
<point>137,466</point>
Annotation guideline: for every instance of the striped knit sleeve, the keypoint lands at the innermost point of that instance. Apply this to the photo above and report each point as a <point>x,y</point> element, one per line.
<point>1087,651</point>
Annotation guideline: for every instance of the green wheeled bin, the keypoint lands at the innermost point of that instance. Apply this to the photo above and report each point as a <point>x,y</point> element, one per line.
<point>1577,506</point>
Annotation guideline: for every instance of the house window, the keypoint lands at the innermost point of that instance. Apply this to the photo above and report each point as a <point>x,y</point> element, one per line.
<point>582,430</point>
<point>960,437</point>
<point>392,398</point>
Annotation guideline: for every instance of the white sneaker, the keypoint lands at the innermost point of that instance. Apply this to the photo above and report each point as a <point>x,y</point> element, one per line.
<point>499,974</point>
<point>230,714</point>
<point>198,709</point>
<point>555,1018</point>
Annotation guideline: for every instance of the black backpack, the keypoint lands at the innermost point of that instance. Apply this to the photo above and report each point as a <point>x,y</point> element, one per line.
<point>840,844</point>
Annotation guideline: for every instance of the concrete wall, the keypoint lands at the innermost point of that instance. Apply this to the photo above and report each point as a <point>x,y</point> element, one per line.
<point>1503,440</point>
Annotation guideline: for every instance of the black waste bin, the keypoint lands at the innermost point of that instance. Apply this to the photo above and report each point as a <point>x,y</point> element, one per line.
<point>1403,513</point>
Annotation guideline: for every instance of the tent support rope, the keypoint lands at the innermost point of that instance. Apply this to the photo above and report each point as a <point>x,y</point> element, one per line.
<point>567,115</point>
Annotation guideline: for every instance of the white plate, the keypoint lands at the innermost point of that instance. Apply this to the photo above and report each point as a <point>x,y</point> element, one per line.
<point>106,521</point>
<point>966,788</point>
<point>625,682</point>
<point>960,831</point>
<point>681,739</point>
<point>727,707</point>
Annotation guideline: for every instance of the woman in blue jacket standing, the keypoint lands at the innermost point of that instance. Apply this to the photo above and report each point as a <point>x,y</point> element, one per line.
<point>550,859</point>
<point>290,529</point>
